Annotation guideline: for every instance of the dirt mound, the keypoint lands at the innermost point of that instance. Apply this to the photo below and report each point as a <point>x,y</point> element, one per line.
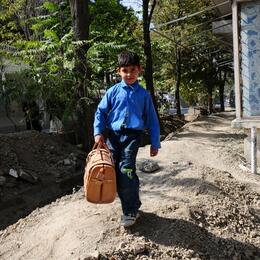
<point>221,221</point>
<point>171,124</point>
<point>34,163</point>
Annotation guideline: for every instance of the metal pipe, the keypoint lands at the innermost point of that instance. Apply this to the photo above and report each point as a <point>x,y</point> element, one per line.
<point>253,150</point>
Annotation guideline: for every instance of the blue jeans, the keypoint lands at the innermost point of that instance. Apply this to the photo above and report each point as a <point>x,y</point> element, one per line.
<point>124,146</point>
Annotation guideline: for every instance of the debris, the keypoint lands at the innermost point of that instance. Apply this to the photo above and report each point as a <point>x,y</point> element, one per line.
<point>13,173</point>
<point>67,162</point>
<point>27,176</point>
<point>149,166</point>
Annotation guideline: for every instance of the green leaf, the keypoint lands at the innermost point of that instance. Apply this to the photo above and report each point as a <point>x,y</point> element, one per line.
<point>52,35</point>
<point>50,6</point>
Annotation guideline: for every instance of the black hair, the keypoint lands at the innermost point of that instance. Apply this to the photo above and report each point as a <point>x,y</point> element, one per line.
<point>128,58</point>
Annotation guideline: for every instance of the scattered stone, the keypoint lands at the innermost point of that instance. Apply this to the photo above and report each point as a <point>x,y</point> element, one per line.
<point>13,173</point>
<point>149,166</point>
<point>139,248</point>
<point>185,163</point>
<point>27,177</point>
<point>67,162</point>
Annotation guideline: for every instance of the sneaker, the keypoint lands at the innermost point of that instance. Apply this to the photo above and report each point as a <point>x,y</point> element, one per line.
<point>129,220</point>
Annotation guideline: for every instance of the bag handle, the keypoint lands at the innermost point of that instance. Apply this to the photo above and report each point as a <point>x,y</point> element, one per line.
<point>100,145</point>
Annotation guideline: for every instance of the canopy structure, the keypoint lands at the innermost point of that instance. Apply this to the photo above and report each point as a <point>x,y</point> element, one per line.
<point>223,7</point>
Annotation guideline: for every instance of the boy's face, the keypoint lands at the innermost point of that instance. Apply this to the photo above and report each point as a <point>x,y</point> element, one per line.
<point>129,73</point>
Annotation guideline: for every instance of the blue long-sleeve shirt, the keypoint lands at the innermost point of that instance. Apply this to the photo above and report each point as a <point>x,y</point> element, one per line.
<point>129,106</point>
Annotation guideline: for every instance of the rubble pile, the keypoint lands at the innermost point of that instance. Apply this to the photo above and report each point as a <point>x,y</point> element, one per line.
<point>170,125</point>
<point>31,157</point>
<point>37,164</point>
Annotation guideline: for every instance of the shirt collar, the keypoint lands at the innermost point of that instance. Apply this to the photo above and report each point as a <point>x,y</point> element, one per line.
<point>134,86</point>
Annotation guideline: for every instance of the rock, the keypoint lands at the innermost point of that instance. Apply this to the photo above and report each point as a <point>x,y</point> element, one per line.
<point>122,245</point>
<point>253,234</point>
<point>149,166</point>
<point>67,162</point>
<point>138,249</point>
<point>13,173</point>
<point>72,157</point>
<point>27,177</point>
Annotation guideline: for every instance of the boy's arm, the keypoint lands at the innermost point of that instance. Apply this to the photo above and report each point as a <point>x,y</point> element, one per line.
<point>101,117</point>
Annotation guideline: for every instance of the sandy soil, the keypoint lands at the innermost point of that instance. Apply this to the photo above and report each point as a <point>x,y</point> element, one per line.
<point>199,205</point>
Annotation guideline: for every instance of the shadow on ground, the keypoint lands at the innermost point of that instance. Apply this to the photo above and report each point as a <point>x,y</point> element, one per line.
<point>187,235</point>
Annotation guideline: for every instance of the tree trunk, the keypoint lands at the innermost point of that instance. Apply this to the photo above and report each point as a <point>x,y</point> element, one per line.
<point>221,91</point>
<point>178,83</point>
<point>210,99</point>
<point>208,80</point>
<point>148,73</point>
<point>80,22</point>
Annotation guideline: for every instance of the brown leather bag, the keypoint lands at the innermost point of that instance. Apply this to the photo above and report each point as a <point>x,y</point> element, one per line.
<point>100,175</point>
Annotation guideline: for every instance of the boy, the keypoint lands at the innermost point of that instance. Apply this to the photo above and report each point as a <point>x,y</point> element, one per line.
<point>126,110</point>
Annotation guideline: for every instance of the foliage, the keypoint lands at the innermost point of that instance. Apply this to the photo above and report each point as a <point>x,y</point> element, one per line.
<point>107,43</point>
<point>49,48</point>
<point>39,33</point>
<point>49,54</point>
<point>194,38</point>
<point>11,23</point>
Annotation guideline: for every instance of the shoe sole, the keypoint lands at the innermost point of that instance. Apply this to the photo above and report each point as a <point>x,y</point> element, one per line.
<point>129,225</point>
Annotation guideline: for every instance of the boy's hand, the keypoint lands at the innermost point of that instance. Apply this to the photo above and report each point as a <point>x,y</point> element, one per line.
<point>99,139</point>
<point>153,151</point>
